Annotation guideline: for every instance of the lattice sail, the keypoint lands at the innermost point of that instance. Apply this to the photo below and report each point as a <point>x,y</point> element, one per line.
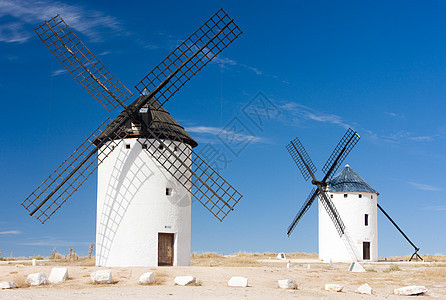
<point>191,56</point>
<point>204,183</point>
<point>78,60</point>
<point>71,174</point>
<point>339,154</point>
<point>332,212</point>
<point>301,158</point>
<point>303,210</point>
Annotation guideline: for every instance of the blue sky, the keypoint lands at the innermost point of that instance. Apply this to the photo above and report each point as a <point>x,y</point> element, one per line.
<point>378,67</point>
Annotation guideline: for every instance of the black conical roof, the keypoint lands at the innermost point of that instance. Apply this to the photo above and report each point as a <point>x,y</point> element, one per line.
<point>349,181</point>
<point>161,123</point>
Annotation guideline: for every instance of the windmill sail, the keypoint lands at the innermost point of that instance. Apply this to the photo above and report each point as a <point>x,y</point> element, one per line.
<point>301,158</point>
<point>191,56</point>
<point>78,60</point>
<point>71,174</point>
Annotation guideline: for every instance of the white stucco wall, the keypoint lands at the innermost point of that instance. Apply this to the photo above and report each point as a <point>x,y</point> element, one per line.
<point>352,210</point>
<point>132,208</point>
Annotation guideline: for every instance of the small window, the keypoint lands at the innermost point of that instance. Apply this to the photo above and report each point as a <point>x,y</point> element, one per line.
<point>366,220</point>
<point>168,191</point>
<point>345,195</point>
<point>144,146</point>
<point>331,196</point>
<point>359,196</point>
<point>127,146</point>
<point>371,196</point>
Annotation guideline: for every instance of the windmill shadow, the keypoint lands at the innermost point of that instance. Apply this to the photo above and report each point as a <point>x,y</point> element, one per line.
<point>123,185</point>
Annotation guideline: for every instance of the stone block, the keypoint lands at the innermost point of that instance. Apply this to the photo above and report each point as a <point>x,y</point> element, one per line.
<point>356,267</point>
<point>238,282</point>
<point>364,289</point>
<point>7,285</point>
<point>147,278</point>
<point>333,287</point>
<point>37,279</point>
<point>184,280</point>
<point>102,276</point>
<point>58,275</point>
<point>411,290</point>
<point>287,284</point>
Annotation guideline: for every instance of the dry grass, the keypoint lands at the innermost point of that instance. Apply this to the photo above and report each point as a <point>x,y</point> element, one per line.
<point>20,281</point>
<point>427,258</point>
<point>210,259</point>
<point>160,278</point>
<point>435,273</point>
<point>392,268</point>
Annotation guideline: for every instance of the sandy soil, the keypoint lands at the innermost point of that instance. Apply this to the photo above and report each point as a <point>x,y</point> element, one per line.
<point>262,281</point>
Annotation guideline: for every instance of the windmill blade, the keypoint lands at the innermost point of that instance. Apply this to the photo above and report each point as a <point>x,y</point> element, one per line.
<point>71,174</point>
<point>339,154</point>
<point>303,210</point>
<point>190,56</point>
<point>332,212</point>
<point>78,60</point>
<point>204,183</point>
<point>301,158</point>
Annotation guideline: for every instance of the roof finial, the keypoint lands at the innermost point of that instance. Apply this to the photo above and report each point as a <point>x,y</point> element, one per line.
<point>347,165</point>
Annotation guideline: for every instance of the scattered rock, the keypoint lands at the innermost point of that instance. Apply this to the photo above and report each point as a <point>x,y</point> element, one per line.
<point>20,265</point>
<point>102,276</point>
<point>287,284</point>
<point>333,287</point>
<point>281,256</point>
<point>7,285</point>
<point>147,278</point>
<point>411,290</point>
<point>356,267</point>
<point>184,280</point>
<point>36,279</point>
<point>364,289</point>
<point>58,275</point>
<point>238,281</point>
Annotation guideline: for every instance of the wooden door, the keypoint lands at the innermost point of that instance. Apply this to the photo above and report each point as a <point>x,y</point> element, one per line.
<point>165,249</point>
<point>366,250</point>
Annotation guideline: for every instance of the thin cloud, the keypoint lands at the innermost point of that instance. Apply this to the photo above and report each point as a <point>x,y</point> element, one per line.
<point>53,242</point>
<point>425,187</point>
<point>403,135</point>
<point>225,62</point>
<point>436,208</point>
<point>215,131</point>
<point>10,232</point>
<point>58,72</point>
<point>296,113</point>
<point>26,14</point>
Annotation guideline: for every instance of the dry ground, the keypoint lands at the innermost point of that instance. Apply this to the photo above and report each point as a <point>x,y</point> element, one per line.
<point>213,271</point>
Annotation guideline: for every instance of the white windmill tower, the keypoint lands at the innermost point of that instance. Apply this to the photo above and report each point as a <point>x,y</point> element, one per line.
<point>356,202</point>
<point>148,171</point>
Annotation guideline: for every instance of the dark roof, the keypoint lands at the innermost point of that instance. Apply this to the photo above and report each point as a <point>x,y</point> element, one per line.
<point>161,123</point>
<point>349,181</point>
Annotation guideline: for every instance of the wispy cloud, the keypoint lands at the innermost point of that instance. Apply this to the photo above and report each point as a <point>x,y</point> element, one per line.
<point>225,62</point>
<point>296,113</point>
<point>403,135</point>
<point>59,72</point>
<point>216,131</point>
<point>23,15</point>
<point>425,187</point>
<point>436,208</point>
<point>10,232</point>
<point>52,242</point>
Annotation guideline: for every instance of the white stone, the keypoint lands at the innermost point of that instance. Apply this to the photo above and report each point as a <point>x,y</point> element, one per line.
<point>364,289</point>
<point>287,284</point>
<point>411,290</point>
<point>288,265</point>
<point>101,276</point>
<point>147,278</point>
<point>184,280</point>
<point>7,285</point>
<point>20,265</point>
<point>281,256</point>
<point>356,267</point>
<point>333,287</point>
<point>238,281</point>
<point>127,224</point>
<point>34,262</point>
<point>37,279</point>
<point>58,275</point>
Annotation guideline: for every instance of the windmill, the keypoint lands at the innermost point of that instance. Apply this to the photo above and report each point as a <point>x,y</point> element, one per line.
<point>159,157</point>
<point>358,201</point>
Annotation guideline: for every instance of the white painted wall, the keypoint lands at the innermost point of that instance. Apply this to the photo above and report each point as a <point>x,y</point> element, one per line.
<point>351,210</point>
<point>132,208</point>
